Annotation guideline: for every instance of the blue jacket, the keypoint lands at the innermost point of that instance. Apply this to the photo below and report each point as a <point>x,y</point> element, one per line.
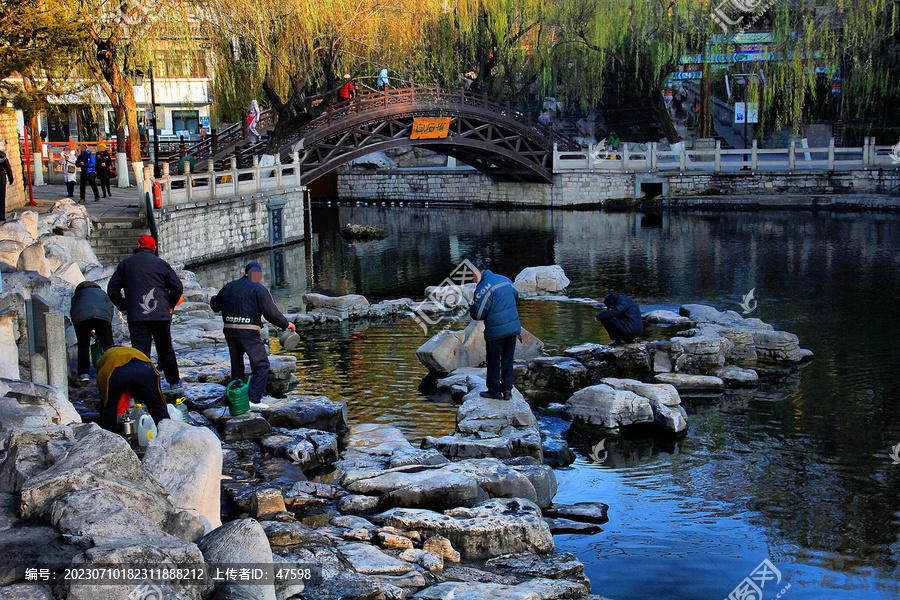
<point>243,304</point>
<point>495,304</point>
<point>145,287</point>
<point>87,161</point>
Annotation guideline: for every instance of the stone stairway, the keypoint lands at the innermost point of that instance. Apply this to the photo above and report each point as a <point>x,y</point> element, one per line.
<point>116,239</point>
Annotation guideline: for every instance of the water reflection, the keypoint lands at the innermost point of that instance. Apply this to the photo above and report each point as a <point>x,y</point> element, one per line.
<point>797,471</point>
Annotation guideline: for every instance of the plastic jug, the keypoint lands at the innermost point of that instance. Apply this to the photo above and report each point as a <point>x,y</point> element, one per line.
<point>182,408</point>
<point>174,413</point>
<point>289,340</point>
<point>238,396</point>
<point>146,430</point>
<point>137,412</point>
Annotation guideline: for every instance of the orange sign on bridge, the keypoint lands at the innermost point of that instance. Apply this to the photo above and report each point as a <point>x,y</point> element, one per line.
<point>430,128</point>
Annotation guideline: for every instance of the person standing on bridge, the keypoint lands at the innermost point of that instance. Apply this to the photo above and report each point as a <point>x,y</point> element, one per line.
<point>544,119</point>
<point>146,289</point>
<point>253,121</point>
<point>243,304</point>
<point>495,304</point>
<point>348,90</point>
<point>383,81</point>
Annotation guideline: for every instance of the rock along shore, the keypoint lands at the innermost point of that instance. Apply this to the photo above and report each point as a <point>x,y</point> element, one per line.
<point>291,484</point>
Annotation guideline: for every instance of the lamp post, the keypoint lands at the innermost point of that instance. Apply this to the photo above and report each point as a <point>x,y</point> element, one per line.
<point>156,171</point>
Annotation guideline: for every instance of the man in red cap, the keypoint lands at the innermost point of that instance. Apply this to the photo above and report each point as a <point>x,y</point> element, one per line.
<point>146,289</point>
<point>243,304</point>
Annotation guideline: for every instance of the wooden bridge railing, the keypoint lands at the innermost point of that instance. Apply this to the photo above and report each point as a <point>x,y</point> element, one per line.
<point>219,140</point>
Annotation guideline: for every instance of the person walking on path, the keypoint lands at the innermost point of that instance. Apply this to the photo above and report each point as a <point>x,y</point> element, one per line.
<point>91,312</point>
<point>6,174</point>
<point>253,121</point>
<point>67,161</point>
<point>348,90</point>
<point>495,304</point>
<point>622,319</point>
<point>104,169</point>
<point>122,374</point>
<point>243,304</point>
<point>383,81</point>
<point>88,164</point>
<point>146,289</point>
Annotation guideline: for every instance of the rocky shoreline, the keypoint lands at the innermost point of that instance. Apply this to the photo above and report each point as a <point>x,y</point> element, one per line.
<point>294,484</point>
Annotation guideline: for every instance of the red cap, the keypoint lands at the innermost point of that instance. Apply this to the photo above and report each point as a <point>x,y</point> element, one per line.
<point>147,241</point>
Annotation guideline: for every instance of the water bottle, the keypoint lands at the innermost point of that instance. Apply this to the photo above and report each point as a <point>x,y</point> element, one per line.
<point>146,430</point>
<point>174,413</point>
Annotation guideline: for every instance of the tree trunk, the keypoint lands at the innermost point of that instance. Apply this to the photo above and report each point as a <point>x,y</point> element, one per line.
<point>121,147</point>
<point>652,89</point>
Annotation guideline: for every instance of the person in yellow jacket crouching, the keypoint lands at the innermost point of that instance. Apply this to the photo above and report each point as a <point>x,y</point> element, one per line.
<point>124,373</point>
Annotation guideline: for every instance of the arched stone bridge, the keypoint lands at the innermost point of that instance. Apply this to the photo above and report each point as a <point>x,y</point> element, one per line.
<point>498,140</point>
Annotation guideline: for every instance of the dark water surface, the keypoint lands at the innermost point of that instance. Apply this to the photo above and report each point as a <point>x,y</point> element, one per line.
<point>798,472</point>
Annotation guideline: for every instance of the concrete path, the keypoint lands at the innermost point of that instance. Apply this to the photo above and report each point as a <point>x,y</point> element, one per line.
<point>123,205</point>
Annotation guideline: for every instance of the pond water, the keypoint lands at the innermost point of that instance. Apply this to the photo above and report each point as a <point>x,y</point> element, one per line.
<point>798,472</point>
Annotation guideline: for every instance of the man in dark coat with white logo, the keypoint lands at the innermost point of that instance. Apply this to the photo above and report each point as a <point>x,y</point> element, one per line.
<point>495,304</point>
<point>243,304</point>
<point>146,289</point>
<point>622,319</point>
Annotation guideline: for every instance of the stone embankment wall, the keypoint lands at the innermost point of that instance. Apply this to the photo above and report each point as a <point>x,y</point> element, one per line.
<point>201,232</point>
<point>846,189</point>
<point>15,193</point>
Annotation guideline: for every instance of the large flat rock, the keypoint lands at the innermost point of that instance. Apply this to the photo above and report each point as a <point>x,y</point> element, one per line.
<point>451,350</point>
<point>489,529</point>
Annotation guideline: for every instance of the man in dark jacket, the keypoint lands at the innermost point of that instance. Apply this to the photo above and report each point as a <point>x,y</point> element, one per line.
<point>243,304</point>
<point>151,291</point>
<point>88,163</point>
<point>6,173</point>
<point>91,312</point>
<point>622,319</point>
<point>495,304</point>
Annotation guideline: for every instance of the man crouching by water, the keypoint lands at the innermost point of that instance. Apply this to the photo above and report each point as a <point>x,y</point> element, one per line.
<point>622,319</point>
<point>243,303</point>
<point>495,304</point>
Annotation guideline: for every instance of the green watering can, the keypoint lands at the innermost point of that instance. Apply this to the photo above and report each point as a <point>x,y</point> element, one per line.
<point>238,396</point>
<point>96,352</point>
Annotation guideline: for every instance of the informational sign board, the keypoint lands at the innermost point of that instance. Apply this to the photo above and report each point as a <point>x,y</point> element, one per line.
<point>740,112</point>
<point>753,112</point>
<point>430,128</point>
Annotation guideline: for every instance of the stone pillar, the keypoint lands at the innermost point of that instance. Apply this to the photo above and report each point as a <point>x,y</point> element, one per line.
<point>57,360</point>
<point>9,352</point>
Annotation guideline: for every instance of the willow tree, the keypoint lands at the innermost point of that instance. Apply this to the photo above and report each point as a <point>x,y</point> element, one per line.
<point>123,36</point>
<point>499,46</point>
<point>642,38</point>
<point>296,51</point>
<point>39,45</point>
<point>856,41</point>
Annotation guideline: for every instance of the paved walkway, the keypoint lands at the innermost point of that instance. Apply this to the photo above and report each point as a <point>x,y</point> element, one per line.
<point>123,205</point>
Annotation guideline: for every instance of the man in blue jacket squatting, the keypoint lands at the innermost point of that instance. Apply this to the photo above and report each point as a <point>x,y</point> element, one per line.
<point>243,303</point>
<point>495,304</point>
